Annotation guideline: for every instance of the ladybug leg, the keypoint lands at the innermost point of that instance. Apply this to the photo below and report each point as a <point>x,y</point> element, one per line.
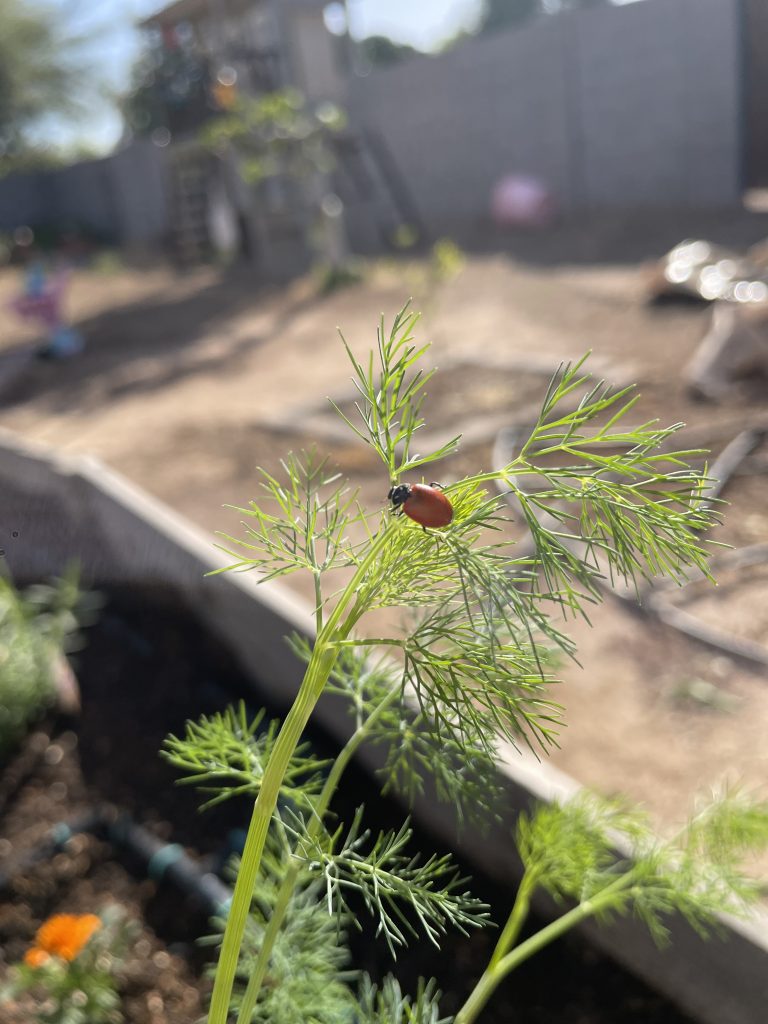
<point>433,483</point>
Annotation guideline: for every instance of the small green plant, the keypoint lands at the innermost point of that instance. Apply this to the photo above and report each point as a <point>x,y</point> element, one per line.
<point>580,853</point>
<point>34,628</point>
<point>447,259</point>
<point>69,975</point>
<point>285,147</point>
<point>474,662</point>
<point>278,134</point>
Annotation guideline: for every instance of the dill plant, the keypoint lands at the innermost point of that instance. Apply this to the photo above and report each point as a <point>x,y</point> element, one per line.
<point>36,626</point>
<point>475,663</point>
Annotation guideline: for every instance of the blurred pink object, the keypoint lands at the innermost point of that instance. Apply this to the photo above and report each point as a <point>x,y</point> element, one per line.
<point>521,201</point>
<point>42,298</point>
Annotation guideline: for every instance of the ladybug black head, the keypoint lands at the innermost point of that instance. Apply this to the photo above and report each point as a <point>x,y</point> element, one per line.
<point>400,494</point>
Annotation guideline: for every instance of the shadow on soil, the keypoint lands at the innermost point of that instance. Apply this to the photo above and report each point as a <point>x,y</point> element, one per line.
<point>164,330</point>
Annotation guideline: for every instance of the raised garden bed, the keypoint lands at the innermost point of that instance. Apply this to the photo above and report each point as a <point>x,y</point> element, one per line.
<point>66,508</point>
<point>148,665</point>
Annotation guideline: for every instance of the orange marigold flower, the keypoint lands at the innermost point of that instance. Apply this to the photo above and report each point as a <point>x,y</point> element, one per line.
<point>65,935</point>
<point>36,957</point>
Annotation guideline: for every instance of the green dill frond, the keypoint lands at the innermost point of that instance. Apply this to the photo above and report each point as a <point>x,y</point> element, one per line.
<point>225,755</point>
<point>570,849</point>
<point>699,874</point>
<point>300,521</point>
<point>475,685</point>
<point>391,395</point>
<point>603,500</point>
<point>390,882</point>
<point>458,765</point>
<point>387,1004</point>
<point>306,980</point>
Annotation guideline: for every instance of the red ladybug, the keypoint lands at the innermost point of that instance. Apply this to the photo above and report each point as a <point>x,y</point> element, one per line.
<point>423,503</point>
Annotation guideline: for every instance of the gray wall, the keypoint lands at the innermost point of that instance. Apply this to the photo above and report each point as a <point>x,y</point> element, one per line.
<point>122,197</point>
<point>619,106</point>
<point>632,106</point>
<point>756,90</point>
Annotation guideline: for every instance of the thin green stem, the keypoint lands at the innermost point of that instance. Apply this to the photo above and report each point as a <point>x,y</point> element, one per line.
<point>323,659</point>
<point>516,919</point>
<point>286,744</point>
<point>370,642</point>
<point>495,973</point>
<point>289,882</point>
<point>318,602</point>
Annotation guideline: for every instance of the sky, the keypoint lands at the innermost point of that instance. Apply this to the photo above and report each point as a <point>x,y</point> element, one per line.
<point>114,42</point>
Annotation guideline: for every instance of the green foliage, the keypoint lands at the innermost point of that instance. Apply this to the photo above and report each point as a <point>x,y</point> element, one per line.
<point>277,134</point>
<point>306,982</point>
<point>41,73</point>
<point>388,1005</point>
<point>390,879</point>
<point>457,764</point>
<point>699,873</point>
<point>391,395</point>
<point>571,851</point>
<point>331,277</point>
<point>169,90</point>
<point>447,259</point>
<point>34,627</point>
<point>626,505</point>
<point>300,522</point>
<point>607,860</point>
<point>383,52</point>
<point>60,607</point>
<point>225,755</point>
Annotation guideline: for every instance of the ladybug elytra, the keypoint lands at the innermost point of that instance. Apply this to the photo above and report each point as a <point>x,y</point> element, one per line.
<point>425,504</point>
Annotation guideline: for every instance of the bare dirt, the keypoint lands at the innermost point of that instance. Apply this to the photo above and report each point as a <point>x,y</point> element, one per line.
<point>188,382</point>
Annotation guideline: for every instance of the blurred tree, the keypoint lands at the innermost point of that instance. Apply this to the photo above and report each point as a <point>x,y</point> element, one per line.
<point>277,135</point>
<point>170,88</point>
<point>285,149</point>
<point>383,52</point>
<point>41,73</point>
<point>501,14</point>
<point>578,5</point>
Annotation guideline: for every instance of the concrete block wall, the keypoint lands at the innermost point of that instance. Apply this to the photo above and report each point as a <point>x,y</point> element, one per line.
<point>454,123</point>
<point>627,106</point>
<point>658,100</point>
<point>139,179</point>
<point>83,195</point>
<point>24,199</point>
<point>121,198</point>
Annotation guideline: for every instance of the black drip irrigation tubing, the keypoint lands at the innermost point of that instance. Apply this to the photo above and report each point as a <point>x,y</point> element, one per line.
<point>652,599</point>
<point>161,861</point>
